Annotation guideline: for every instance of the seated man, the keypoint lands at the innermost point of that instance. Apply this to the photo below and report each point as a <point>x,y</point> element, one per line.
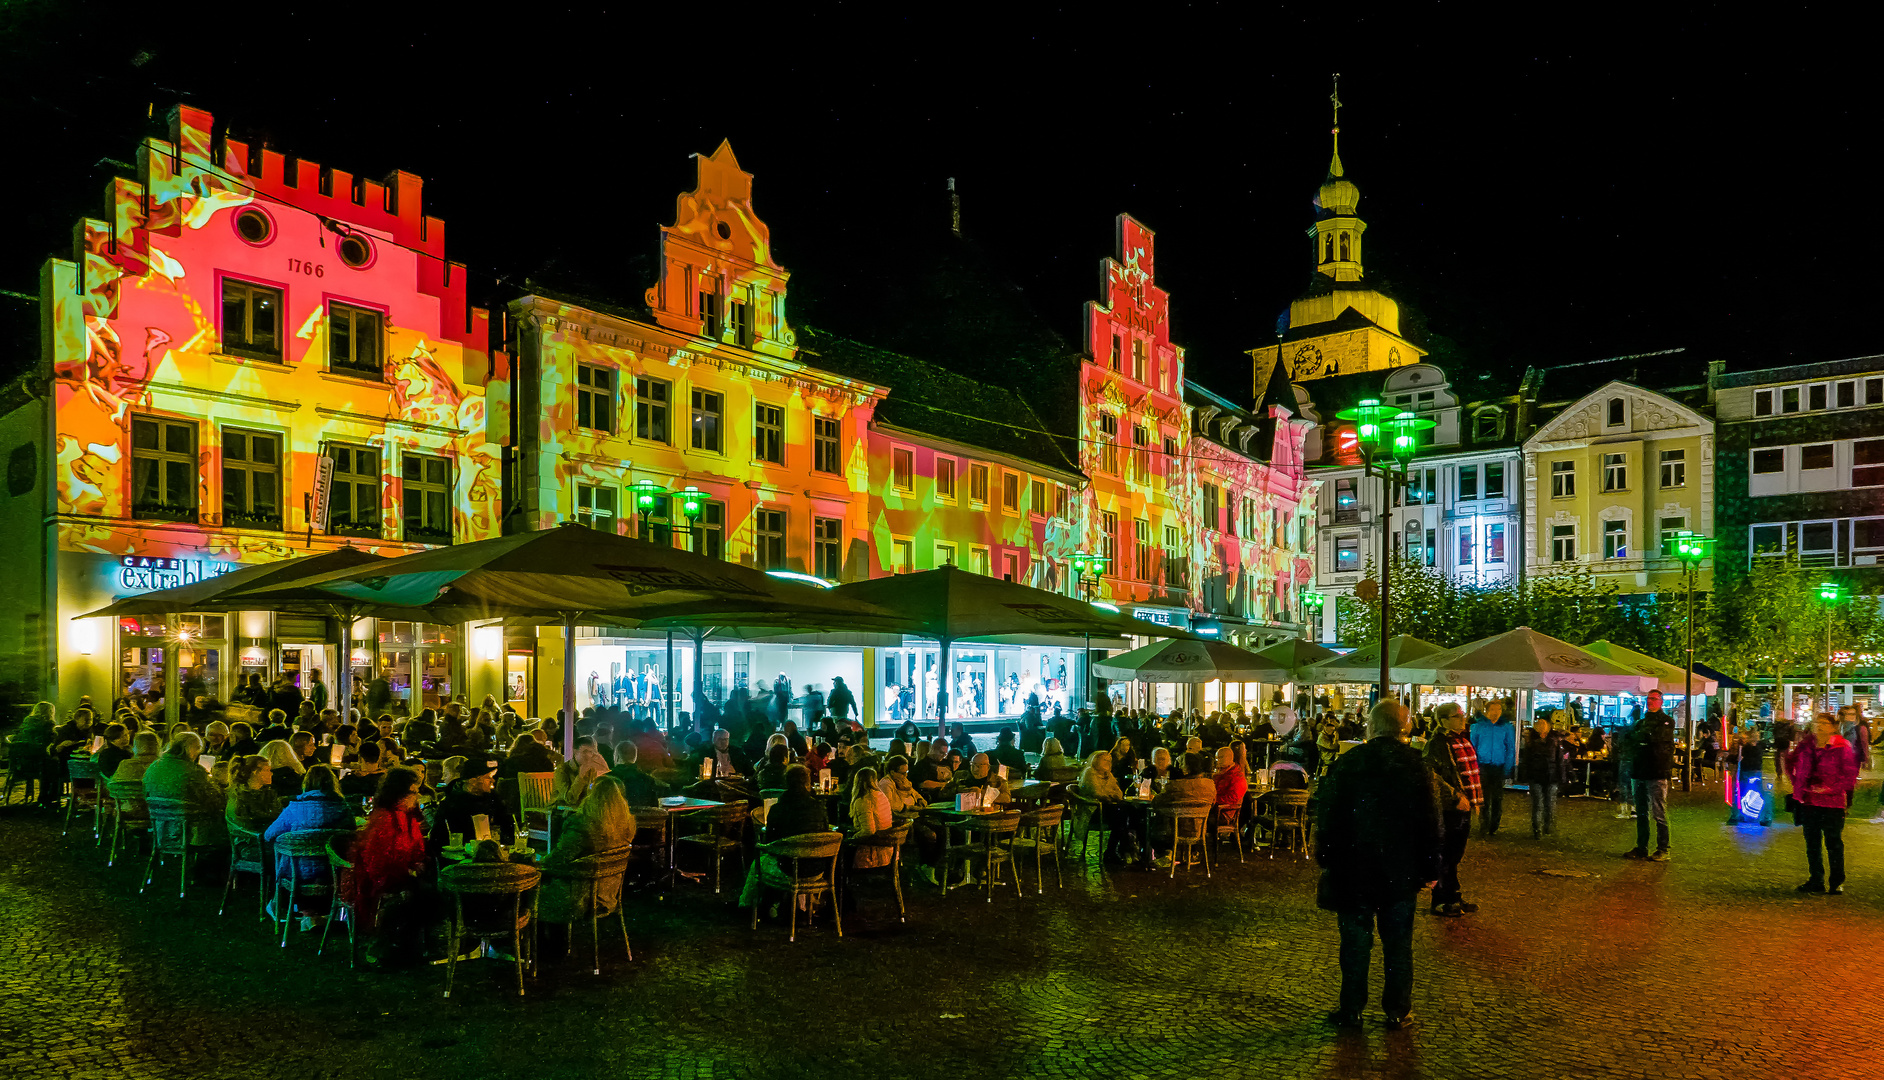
<point>362,780</point>
<point>526,756</point>
<point>1231,782</point>
<point>473,792</point>
<point>640,788</point>
<point>176,775</point>
<point>728,761</point>
<point>930,775</point>
<point>1196,763</point>
<point>144,747</point>
<point>979,774</point>
<point>771,775</point>
<point>1008,754</point>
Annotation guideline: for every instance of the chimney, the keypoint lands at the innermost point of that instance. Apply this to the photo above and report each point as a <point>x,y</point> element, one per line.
<point>955,209</point>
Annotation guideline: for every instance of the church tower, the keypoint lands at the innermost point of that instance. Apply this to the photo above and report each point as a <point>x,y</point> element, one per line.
<point>1341,324</point>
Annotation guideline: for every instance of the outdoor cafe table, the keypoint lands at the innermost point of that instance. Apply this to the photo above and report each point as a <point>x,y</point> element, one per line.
<point>681,805</point>
<point>949,819</point>
<point>1031,793</point>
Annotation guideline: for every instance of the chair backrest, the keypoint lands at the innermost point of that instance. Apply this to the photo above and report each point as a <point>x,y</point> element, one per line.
<point>533,790</point>
<point>597,867</point>
<point>1292,804</point>
<point>245,848</point>
<point>488,879</point>
<point>893,837</point>
<point>309,843</point>
<point>807,846</point>
<point>129,795</point>
<point>171,820</point>
<point>81,768</point>
<point>1046,817</point>
<point>999,826</point>
<point>650,826</point>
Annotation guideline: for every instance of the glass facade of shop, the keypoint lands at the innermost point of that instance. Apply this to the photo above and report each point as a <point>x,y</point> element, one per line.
<point>989,682</point>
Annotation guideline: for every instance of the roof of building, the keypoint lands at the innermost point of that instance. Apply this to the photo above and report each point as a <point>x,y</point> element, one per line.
<point>1824,369</point>
<point>1349,319</point>
<point>1672,372</point>
<point>1328,396</point>
<point>934,400</point>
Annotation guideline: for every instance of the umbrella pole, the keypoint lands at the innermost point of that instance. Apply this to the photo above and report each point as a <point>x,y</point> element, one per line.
<point>699,679</point>
<point>343,668</point>
<point>942,693</point>
<point>667,703</point>
<point>569,684</point>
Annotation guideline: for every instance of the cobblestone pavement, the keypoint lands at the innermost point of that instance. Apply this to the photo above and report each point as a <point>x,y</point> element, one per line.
<point>1580,964</point>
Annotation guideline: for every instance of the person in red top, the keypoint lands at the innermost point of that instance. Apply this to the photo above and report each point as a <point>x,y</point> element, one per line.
<point>1824,773</point>
<point>1232,783</point>
<point>388,856</point>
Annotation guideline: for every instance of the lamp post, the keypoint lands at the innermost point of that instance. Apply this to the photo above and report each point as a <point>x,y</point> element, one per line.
<point>1087,569</point>
<point>1833,594</point>
<point>1691,548</point>
<point>646,497</point>
<point>1380,427</point>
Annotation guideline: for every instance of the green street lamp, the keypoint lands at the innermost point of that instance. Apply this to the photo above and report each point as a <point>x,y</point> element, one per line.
<point>645,496</point>
<point>1087,569</point>
<point>1691,549</point>
<point>1832,593</point>
<point>1396,432</point>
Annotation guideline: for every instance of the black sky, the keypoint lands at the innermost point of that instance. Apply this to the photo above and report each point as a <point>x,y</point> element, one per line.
<point>1548,187</point>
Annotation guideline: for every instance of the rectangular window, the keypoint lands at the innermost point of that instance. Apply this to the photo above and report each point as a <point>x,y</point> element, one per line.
<point>768,433</point>
<point>1037,498</point>
<point>595,506</point>
<point>1174,566</point>
<point>1815,396</point>
<point>1815,543</point>
<point>251,480</point>
<point>1670,528</point>
<point>944,554</point>
<point>163,469</point>
<point>945,478</point>
<point>1141,453</point>
<point>1059,501</point>
<point>1413,537</point>
<point>1615,539</point>
<point>742,324</point>
<point>1874,391</point>
<point>251,320</point>
<point>768,539</point>
<point>1769,460</point>
<point>978,483</point>
<point>1789,400</point>
<point>710,325</point>
<point>1816,456</point>
<point>353,338</point>
<point>1141,548</point>
<point>1615,472</point>
<point>1118,350</point>
<point>426,481</point>
<point>1468,482</point>
<point>1867,463</point>
<point>1465,545</point>
<point>1010,566</point>
<point>1495,480</point>
<point>1212,518</point>
<point>595,397</point>
<point>1494,543</point>
<point>1867,534</point>
<point>1767,539</point>
<point>1108,443</point>
<point>902,468</point>
<point>978,562</point>
<point>827,547</point>
<point>1563,479</point>
<point>1762,403</point>
<point>1109,540</point>
<point>1010,492</point>
<point>1138,359</point>
<point>902,557</point>
<point>1847,396</point>
<point>709,535</point>
<point>1674,468</point>
<point>825,456</point>
<point>1347,553</point>
<point>353,506</point>
<point>1563,543</point>
<point>651,400</point>
<point>709,408</point>
<point>1344,493</point>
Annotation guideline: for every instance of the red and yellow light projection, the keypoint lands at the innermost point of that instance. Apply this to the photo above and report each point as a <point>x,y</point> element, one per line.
<point>234,321</point>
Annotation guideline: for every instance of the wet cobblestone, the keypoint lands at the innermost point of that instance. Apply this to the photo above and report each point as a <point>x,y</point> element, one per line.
<point>1707,966</point>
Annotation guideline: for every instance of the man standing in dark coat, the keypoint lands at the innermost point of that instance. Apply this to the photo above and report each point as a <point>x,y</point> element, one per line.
<point>1377,839</point>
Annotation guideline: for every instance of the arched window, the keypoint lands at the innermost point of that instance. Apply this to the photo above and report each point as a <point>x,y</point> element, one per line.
<point>1328,249</point>
<point>1345,255</point>
<point>1615,411</point>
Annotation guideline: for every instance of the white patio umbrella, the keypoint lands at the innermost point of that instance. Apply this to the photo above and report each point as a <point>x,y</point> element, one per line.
<point>1674,680</point>
<point>1524,659</point>
<point>1177,660</point>
<point>1297,656</point>
<point>1404,651</point>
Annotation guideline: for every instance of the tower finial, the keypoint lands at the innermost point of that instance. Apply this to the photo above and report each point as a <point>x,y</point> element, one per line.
<point>1334,167</point>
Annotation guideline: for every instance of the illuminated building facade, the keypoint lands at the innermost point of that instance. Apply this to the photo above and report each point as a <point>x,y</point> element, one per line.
<point>236,317</point>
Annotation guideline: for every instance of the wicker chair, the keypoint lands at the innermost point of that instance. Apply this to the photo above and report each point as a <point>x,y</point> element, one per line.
<point>802,876</point>
<point>724,835</point>
<point>893,838</point>
<point>173,826</point>
<point>503,879</point>
<point>1228,820</point>
<point>83,777</point>
<point>1190,828</point>
<point>649,849</point>
<point>995,851</point>
<point>533,797</point>
<point>295,846</point>
<point>1092,812</point>
<point>592,871</point>
<point>341,870</point>
<point>1289,818</point>
<point>1040,831</point>
<point>129,815</point>
<point>248,854</point>
<point>25,765</point>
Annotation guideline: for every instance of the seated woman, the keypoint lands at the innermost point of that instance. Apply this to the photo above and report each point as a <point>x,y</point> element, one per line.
<point>389,901</point>
<point>318,806</point>
<point>1124,759</point>
<point>242,740</point>
<point>216,740</point>
<point>286,767</point>
<point>1160,769</point>
<point>796,813</point>
<point>253,804</point>
<point>602,823</point>
<point>771,775</point>
<point>1052,756</point>
<point>1099,785</point>
<point>896,787</point>
<point>869,813</point>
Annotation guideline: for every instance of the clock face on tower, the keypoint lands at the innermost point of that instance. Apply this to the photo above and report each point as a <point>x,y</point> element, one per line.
<point>1306,362</point>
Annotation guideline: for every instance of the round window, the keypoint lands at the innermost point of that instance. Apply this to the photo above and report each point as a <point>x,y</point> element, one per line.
<point>355,251</point>
<point>253,225</point>
<point>726,231</point>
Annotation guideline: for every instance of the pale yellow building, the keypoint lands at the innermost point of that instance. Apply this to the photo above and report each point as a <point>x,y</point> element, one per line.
<point>1609,478</point>
<point>1340,324</point>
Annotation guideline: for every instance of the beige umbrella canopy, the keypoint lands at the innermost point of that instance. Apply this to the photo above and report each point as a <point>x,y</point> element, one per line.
<point>1673,680</point>
<point>1297,657</point>
<point>1363,664</point>
<point>1177,660</point>
<point>1524,659</point>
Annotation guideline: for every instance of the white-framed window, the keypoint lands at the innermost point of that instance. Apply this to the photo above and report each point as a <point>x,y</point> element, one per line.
<point>1468,482</point>
<point>1618,412</point>
<point>1109,540</point>
<point>1767,460</point>
<point>1037,498</point>
<point>827,547</point>
<point>1118,350</point>
<point>742,324</point>
<point>1488,425</point>
<point>1212,512</point>
<point>1563,543</point>
<point>1141,548</point>
<point>1814,456</point>
<point>353,507</point>
<point>1674,468</point>
<point>1347,553</point>
<point>651,401</point>
<point>1138,359</point>
<point>768,537</point>
<point>709,533</point>
<point>826,454</point>
<point>1818,543</point>
<point>163,468</point>
<point>945,478</point>
<point>944,554</point>
<point>979,563</point>
<point>1615,472</point>
<point>1176,566</point>
<point>1867,462</point>
<point>425,482</point>
<point>1010,492</point>
<point>1563,479</point>
<point>978,483</point>
<point>251,320</point>
<point>1494,480</point>
<point>902,556</point>
<point>903,469</point>
<point>1670,528</point>
<point>1494,543</point>
<point>251,479</point>
<point>711,308</point>
<point>1141,453</point>
<point>595,397</point>
<point>1465,545</point>
<point>1108,443</point>
<point>709,412</point>
<point>1615,539</point>
<point>1867,540</point>
<point>354,335</point>
<point>768,431</point>
<point>1767,540</point>
<point>596,506</point>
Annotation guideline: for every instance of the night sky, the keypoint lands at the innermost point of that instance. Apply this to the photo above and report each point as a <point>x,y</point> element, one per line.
<point>1540,193</point>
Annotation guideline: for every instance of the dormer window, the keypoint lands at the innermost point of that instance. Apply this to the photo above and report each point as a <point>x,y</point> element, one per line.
<point>1488,425</point>
<point>1618,412</point>
<point>710,325</point>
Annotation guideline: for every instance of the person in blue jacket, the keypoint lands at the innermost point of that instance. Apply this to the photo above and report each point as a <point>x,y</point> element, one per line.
<point>1495,740</point>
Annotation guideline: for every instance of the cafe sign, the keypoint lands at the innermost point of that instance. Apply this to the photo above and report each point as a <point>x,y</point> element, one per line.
<point>148,573</point>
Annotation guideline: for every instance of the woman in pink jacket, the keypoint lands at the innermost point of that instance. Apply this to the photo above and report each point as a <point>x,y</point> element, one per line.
<point>1825,772</point>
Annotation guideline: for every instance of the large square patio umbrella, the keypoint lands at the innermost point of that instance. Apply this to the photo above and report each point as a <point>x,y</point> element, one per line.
<point>1177,660</point>
<point>1363,664</point>
<point>574,573</point>
<point>1524,659</point>
<point>1673,680</point>
<point>1297,656</point>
